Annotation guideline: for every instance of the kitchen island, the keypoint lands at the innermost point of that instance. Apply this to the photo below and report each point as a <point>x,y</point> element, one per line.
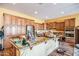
<point>42,49</point>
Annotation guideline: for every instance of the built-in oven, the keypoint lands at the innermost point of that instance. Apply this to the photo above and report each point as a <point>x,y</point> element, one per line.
<point>70,32</point>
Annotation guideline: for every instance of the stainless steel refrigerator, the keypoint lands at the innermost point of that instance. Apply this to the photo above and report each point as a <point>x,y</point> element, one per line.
<point>30,33</point>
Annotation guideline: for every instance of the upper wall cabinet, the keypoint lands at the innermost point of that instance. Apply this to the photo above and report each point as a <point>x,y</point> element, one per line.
<point>7,19</point>
<point>70,23</point>
<point>19,21</point>
<point>14,20</point>
<point>51,25</point>
<point>67,23</point>
<point>55,25</point>
<point>23,22</point>
<point>23,30</point>
<point>32,22</point>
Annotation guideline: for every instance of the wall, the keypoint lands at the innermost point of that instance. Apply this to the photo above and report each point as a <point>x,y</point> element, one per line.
<point>77,21</point>
<point>1,19</point>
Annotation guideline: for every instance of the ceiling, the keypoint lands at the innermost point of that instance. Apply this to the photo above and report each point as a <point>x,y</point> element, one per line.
<point>43,10</point>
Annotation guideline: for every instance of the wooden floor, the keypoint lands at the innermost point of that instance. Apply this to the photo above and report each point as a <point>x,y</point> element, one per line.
<point>69,50</point>
<point>6,52</point>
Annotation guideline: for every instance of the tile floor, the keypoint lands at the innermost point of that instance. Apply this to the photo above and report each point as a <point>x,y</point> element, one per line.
<point>69,50</point>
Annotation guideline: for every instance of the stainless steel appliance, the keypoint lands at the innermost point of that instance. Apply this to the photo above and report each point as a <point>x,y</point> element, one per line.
<point>77,35</point>
<point>69,32</point>
<point>30,32</point>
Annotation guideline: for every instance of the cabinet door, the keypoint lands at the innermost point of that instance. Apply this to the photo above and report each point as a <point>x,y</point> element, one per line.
<point>67,23</point>
<point>23,29</point>
<point>31,22</point>
<point>7,19</point>
<point>23,22</point>
<point>19,21</point>
<point>72,22</point>
<point>7,30</point>
<point>35,25</point>
<point>17,52</point>
<point>62,26</point>
<point>54,25</point>
<point>27,22</point>
<point>19,29</point>
<point>46,25</point>
<point>14,29</point>
<point>14,20</point>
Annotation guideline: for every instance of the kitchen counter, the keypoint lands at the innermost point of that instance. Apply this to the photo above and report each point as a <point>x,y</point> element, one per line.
<point>40,49</point>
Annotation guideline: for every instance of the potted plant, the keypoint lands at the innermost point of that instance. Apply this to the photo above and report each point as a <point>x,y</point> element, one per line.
<point>24,42</point>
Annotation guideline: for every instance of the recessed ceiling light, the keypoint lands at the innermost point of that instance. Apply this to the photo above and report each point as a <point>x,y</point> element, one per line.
<point>46,17</point>
<point>35,12</point>
<point>62,12</point>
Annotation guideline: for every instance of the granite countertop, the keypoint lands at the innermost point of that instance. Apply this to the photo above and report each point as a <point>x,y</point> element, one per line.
<point>20,46</point>
<point>38,41</point>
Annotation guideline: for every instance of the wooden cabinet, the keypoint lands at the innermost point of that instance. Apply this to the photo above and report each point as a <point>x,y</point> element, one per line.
<point>16,25</point>
<point>31,22</point>
<point>38,26</point>
<point>66,23</point>
<point>42,25</point>
<point>19,30</point>
<point>35,26</point>
<point>19,21</point>
<point>7,26</point>
<point>55,25</point>
<point>23,22</point>
<point>51,25</point>
<point>26,22</point>
<point>62,26</point>
<point>7,30</point>
<point>14,20</point>
<point>17,52</point>
<point>23,29</point>
<point>14,29</point>
<point>70,23</point>
<point>7,19</point>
